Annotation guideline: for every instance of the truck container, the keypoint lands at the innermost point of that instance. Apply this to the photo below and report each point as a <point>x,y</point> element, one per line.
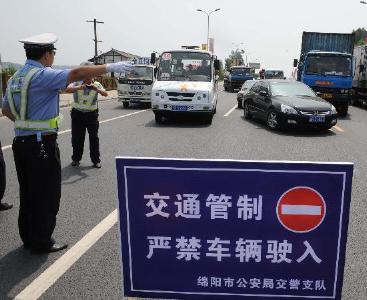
<point>359,79</point>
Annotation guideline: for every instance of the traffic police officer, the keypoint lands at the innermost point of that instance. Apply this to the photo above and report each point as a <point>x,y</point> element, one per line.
<point>32,103</point>
<point>3,206</point>
<point>84,116</point>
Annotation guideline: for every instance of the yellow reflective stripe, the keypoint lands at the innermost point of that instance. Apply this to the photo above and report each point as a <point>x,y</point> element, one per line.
<point>11,104</point>
<point>84,106</point>
<point>37,125</point>
<point>87,98</point>
<point>24,93</point>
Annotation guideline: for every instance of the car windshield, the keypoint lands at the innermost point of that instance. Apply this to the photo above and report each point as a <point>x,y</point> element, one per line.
<point>291,89</point>
<point>241,71</point>
<point>185,66</point>
<point>139,72</point>
<point>329,65</point>
<point>248,85</point>
<point>273,74</point>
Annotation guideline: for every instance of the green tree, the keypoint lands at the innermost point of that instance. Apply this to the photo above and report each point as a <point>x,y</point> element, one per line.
<point>235,58</point>
<point>9,70</point>
<point>360,36</point>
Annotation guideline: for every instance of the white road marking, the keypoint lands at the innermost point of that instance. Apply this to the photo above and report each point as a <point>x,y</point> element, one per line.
<point>336,127</point>
<point>100,122</point>
<point>309,210</point>
<point>44,281</point>
<point>230,111</point>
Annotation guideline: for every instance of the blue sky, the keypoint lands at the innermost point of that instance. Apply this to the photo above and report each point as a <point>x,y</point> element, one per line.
<point>269,31</point>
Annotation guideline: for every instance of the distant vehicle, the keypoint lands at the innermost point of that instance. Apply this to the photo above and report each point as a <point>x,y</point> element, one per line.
<point>326,65</point>
<point>136,86</point>
<point>234,79</point>
<point>243,91</point>
<point>274,74</point>
<point>283,103</point>
<point>360,78</point>
<point>186,84</point>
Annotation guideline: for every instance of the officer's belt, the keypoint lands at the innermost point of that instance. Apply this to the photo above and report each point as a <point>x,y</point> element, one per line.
<point>33,138</point>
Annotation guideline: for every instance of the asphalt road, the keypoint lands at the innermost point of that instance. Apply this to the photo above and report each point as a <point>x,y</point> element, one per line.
<point>89,195</point>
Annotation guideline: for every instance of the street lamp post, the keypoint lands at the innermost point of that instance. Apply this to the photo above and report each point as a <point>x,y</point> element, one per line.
<point>208,15</point>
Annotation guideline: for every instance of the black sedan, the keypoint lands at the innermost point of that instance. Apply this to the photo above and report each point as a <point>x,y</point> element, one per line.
<point>283,103</point>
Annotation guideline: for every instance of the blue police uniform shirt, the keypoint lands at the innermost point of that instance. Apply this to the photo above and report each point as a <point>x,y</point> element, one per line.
<point>43,94</point>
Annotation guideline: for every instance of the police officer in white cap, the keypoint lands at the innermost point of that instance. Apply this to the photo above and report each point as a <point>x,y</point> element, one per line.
<point>84,117</point>
<point>32,103</point>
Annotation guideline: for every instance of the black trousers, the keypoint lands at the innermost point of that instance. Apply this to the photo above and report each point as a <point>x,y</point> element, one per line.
<point>2,175</point>
<point>39,175</point>
<point>80,123</point>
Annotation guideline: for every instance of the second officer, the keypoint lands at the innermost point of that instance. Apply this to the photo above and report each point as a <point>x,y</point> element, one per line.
<point>84,117</point>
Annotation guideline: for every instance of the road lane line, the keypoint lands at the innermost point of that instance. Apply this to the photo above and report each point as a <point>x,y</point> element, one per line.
<point>44,281</point>
<point>100,122</point>
<point>230,111</point>
<point>338,128</point>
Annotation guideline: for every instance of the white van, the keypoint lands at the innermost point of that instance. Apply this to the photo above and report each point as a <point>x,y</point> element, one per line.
<point>136,86</point>
<point>186,84</point>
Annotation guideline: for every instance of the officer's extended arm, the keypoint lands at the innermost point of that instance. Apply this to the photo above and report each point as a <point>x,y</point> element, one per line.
<point>85,72</point>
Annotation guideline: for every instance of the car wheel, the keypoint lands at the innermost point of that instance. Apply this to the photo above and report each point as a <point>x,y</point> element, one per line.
<point>158,118</point>
<point>272,120</point>
<point>246,111</point>
<point>125,104</point>
<point>239,103</point>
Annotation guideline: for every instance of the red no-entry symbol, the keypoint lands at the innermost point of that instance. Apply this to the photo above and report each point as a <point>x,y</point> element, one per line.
<point>301,209</point>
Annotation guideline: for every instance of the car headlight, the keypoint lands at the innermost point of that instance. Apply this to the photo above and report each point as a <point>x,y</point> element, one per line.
<point>202,96</point>
<point>123,92</point>
<point>286,109</point>
<point>159,94</point>
<point>333,110</point>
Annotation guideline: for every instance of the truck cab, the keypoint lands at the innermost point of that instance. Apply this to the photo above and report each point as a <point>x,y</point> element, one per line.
<point>136,86</point>
<point>236,77</point>
<point>186,84</point>
<point>330,75</point>
<point>274,74</point>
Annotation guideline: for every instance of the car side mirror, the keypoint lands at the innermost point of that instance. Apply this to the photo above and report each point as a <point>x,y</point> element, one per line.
<point>152,58</point>
<point>361,68</point>
<point>216,64</point>
<point>295,63</point>
<point>263,94</point>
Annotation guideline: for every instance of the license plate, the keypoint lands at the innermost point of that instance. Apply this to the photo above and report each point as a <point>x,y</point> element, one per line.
<point>136,87</point>
<point>179,107</point>
<point>326,96</point>
<point>317,119</point>
<point>134,100</point>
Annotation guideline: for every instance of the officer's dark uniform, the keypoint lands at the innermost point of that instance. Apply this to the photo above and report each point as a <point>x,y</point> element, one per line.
<point>2,174</point>
<point>35,149</point>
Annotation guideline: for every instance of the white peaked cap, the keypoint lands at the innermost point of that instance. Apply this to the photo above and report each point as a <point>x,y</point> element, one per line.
<point>43,39</point>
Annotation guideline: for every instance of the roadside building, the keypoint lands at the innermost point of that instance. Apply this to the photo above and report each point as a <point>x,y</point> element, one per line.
<point>112,56</point>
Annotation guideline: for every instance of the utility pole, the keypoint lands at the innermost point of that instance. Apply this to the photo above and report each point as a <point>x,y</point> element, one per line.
<point>95,38</point>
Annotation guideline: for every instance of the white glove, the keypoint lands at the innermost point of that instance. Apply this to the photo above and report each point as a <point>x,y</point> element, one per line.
<point>119,67</point>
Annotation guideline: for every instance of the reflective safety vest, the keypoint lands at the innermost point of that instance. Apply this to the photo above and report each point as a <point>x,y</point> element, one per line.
<point>19,84</point>
<point>84,100</point>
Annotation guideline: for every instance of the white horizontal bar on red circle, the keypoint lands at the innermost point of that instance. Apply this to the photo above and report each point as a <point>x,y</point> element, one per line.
<point>310,210</point>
